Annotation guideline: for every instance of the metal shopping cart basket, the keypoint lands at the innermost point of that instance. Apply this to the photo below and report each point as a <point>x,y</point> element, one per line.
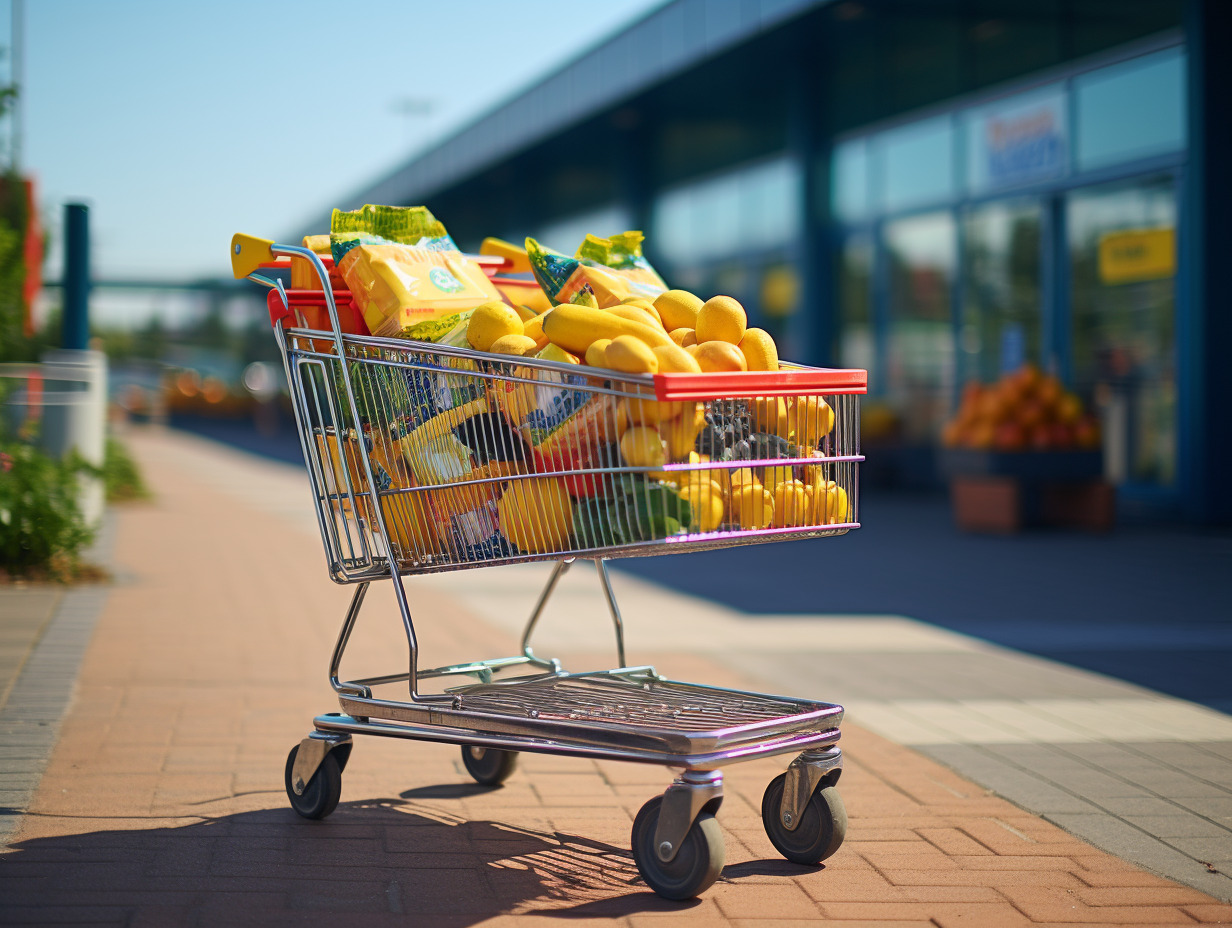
<point>424,458</point>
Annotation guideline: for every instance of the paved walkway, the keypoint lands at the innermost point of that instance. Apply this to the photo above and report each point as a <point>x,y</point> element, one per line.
<point>162,803</point>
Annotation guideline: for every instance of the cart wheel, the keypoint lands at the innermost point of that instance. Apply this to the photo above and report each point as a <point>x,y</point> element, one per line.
<point>320,797</point>
<point>489,766</point>
<point>821,829</point>
<point>696,865</point>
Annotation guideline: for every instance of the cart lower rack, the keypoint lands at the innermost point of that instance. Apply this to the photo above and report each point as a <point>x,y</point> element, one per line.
<point>426,458</point>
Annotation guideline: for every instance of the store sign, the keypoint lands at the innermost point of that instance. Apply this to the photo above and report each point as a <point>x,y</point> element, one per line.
<point>1137,254</point>
<point>1017,143</point>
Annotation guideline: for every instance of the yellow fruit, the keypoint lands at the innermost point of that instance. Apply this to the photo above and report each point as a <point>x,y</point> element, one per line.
<point>698,483</point>
<point>622,420</point>
<point>773,476</point>
<point>790,504</point>
<point>595,352</point>
<point>829,503</point>
<point>753,505</point>
<point>536,514</point>
<point>713,356</point>
<point>640,302</point>
<point>525,313</point>
<point>682,432</point>
<point>759,350</point>
<point>810,419</point>
<point>533,328</point>
<point>693,349</point>
<point>408,523</point>
<point>489,322</point>
<point>556,353</point>
<point>641,410</point>
<point>641,446</point>
<point>742,477</point>
<point>678,309</point>
<point>683,337</point>
<point>636,314</point>
<point>770,415</point>
<point>721,319</point>
<point>707,505</point>
<point>575,327</point>
<point>674,359</point>
<point>520,345</point>
<point>630,355</point>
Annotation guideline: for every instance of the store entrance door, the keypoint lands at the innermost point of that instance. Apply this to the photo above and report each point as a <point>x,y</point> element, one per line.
<point>1002,297</point>
<point>1122,247</point>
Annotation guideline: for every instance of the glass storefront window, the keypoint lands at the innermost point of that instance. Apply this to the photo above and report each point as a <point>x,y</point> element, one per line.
<point>751,208</point>
<point>1001,318</point>
<point>849,181</point>
<point>917,163</point>
<point>919,374</point>
<point>1131,110</point>
<point>855,303</point>
<point>565,235</point>
<point>1016,141</point>
<point>1123,312</point>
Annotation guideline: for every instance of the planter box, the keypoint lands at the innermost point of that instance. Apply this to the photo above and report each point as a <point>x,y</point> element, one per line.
<point>1005,492</point>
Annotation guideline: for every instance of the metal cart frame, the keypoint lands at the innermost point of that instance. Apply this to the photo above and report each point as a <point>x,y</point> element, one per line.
<point>629,713</point>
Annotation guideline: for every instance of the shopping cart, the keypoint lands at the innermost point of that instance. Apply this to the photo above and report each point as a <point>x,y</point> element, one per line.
<point>425,458</point>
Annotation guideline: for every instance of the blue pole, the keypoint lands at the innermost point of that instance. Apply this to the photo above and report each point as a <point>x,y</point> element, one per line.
<point>76,331</point>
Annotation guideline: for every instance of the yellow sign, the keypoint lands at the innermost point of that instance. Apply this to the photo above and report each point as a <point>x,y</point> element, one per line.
<point>1137,254</point>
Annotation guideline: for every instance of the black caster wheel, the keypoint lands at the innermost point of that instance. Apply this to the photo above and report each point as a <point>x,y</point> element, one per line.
<point>489,766</point>
<point>320,797</point>
<point>696,865</point>
<point>822,826</point>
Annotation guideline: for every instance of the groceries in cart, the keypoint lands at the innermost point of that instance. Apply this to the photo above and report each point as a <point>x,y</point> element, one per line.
<point>534,426</point>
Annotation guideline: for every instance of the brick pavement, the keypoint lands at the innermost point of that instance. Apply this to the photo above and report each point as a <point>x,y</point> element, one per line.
<point>163,802</point>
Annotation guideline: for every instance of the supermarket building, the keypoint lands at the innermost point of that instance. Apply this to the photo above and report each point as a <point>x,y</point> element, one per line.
<point>936,190</point>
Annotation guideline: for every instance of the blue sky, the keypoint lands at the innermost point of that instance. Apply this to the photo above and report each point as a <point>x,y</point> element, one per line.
<point>181,123</point>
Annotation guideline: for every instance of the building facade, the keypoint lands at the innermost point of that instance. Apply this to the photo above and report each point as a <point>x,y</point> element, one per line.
<point>936,190</point>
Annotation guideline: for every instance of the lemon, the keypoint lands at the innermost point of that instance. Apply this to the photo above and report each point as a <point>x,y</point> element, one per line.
<point>719,356</point>
<point>674,359</point>
<point>536,514</point>
<point>678,309</point>
<point>630,355</point>
<point>790,504</point>
<point>595,352</point>
<point>683,430</point>
<point>773,476</point>
<point>520,345</point>
<point>641,446</point>
<point>706,502</point>
<point>810,420</point>
<point>722,319</point>
<point>556,353</point>
<point>489,322</point>
<point>683,337</point>
<point>830,503</point>
<point>769,414</point>
<point>754,506</point>
<point>759,350</point>
<point>641,411</point>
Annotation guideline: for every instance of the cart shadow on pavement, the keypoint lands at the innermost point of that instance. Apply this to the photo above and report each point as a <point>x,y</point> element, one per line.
<point>378,859</point>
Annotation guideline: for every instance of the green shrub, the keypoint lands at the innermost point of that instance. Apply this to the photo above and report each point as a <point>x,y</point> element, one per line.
<point>121,476</point>
<point>42,532</point>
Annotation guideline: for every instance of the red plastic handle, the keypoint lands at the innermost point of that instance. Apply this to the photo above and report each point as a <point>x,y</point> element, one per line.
<point>791,382</point>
